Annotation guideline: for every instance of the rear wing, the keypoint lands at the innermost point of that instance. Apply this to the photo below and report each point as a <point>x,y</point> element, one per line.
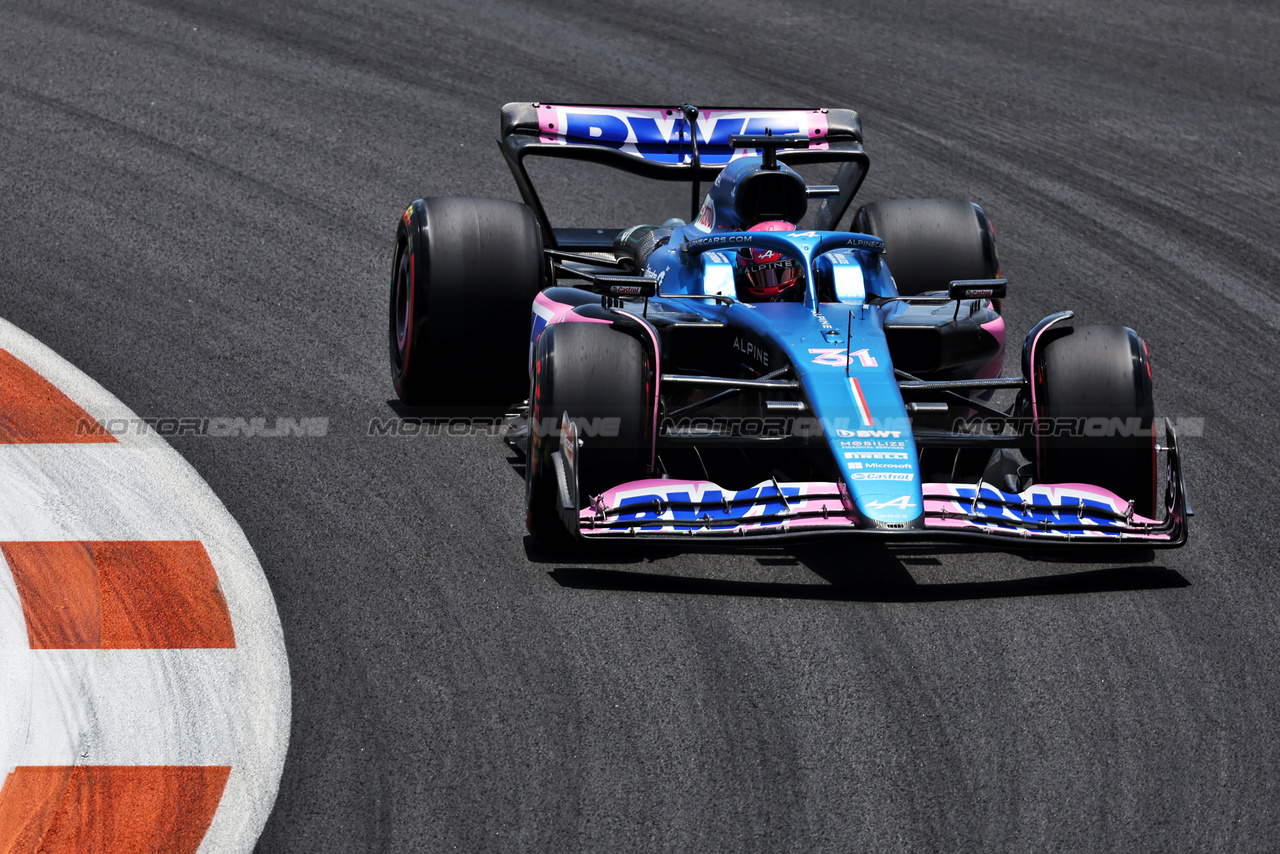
<point>654,142</point>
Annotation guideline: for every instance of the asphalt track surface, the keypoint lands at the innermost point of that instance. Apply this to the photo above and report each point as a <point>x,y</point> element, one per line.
<point>199,201</point>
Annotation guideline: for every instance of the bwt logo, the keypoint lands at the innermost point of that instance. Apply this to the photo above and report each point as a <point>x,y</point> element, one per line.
<point>655,135</point>
<point>1047,506</point>
<point>711,507</point>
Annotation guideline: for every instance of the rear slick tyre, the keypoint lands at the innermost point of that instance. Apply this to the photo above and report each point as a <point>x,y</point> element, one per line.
<point>930,243</point>
<point>464,275</point>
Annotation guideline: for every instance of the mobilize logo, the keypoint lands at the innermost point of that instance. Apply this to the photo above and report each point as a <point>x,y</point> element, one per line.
<point>873,444</point>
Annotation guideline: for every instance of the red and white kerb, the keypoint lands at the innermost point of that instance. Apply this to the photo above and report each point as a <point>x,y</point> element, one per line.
<point>143,686</point>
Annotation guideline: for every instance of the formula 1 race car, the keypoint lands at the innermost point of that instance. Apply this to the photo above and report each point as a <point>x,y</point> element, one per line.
<point>737,376</point>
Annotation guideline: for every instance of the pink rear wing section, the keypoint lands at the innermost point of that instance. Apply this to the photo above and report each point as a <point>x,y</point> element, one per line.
<point>662,134</point>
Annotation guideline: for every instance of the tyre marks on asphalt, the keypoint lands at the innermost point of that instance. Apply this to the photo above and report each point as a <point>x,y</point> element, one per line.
<point>146,690</point>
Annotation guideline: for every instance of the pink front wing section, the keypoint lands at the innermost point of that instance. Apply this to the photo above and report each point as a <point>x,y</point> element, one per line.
<point>672,506</point>
<point>669,506</point>
<point>1046,505</point>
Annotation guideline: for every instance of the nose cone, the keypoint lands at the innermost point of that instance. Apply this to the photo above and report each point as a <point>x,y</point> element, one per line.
<point>844,364</point>
<point>875,451</point>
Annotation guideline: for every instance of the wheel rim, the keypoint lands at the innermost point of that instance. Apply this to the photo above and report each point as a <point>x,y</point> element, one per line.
<point>403,284</point>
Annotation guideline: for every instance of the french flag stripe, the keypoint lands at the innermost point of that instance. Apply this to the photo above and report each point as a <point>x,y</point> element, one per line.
<point>863,410</point>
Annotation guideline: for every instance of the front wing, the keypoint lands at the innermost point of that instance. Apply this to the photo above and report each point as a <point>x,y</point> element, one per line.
<point>688,510</point>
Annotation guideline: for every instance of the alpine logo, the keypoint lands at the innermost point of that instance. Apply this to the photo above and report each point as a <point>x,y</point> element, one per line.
<point>902,502</point>
<point>872,244</point>
<point>751,350</point>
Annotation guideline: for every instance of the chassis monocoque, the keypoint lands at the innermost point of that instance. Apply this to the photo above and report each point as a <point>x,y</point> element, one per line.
<point>663,404</point>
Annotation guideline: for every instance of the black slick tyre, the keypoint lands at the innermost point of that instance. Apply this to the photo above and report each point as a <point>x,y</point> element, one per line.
<point>1096,380</point>
<point>600,377</point>
<point>463,278</point>
<point>930,243</point>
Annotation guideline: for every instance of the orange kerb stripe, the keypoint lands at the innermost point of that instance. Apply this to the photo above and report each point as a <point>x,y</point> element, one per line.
<point>32,410</point>
<point>102,809</point>
<point>127,594</point>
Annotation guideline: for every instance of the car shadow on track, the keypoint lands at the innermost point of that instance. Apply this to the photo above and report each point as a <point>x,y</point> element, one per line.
<point>871,573</point>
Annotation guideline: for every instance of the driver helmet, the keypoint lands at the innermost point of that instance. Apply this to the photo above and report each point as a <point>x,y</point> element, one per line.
<point>766,276</point>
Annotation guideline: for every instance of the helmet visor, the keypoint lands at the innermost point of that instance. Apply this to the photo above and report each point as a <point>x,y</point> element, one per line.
<point>773,279</point>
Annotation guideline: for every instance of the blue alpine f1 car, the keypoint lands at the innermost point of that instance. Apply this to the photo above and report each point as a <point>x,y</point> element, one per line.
<point>754,371</point>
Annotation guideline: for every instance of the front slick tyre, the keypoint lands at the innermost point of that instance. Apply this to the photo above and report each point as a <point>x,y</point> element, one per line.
<point>464,276</point>
<point>600,377</point>
<point>1095,384</point>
